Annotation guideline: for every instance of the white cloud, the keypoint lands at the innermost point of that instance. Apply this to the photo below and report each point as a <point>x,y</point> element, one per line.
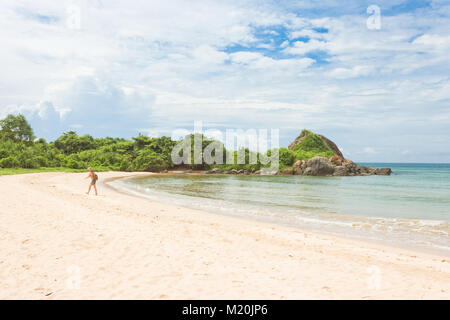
<point>158,65</point>
<point>308,33</point>
<point>369,150</point>
<point>356,71</point>
<point>207,55</point>
<point>433,41</point>
<point>301,47</point>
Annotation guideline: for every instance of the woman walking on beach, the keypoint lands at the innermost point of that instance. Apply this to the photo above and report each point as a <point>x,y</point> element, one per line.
<point>94,178</point>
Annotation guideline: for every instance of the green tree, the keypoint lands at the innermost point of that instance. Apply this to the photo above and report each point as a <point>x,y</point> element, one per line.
<point>70,143</point>
<point>9,162</point>
<point>16,128</point>
<point>149,160</point>
<point>141,141</point>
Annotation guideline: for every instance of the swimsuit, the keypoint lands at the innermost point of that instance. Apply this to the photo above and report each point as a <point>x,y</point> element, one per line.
<point>93,181</point>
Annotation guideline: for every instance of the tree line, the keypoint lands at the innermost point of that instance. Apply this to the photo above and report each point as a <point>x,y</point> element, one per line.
<point>19,148</point>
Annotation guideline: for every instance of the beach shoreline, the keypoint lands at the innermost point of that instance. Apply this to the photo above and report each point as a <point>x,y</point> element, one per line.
<point>359,228</point>
<point>60,243</point>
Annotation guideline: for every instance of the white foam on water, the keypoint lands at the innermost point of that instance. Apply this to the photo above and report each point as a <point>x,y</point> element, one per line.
<point>413,232</point>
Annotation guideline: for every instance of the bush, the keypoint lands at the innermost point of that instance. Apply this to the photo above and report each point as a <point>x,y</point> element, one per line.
<point>41,161</point>
<point>311,146</point>
<point>124,165</point>
<point>70,143</point>
<point>73,161</point>
<point>30,163</point>
<point>149,160</point>
<point>287,157</point>
<point>9,162</point>
<point>73,164</point>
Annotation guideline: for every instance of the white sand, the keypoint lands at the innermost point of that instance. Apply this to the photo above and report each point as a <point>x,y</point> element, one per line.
<point>59,243</point>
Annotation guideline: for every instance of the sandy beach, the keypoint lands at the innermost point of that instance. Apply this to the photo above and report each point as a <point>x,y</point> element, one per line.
<point>59,243</point>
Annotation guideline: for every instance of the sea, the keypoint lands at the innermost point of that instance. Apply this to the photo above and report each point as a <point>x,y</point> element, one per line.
<point>410,208</point>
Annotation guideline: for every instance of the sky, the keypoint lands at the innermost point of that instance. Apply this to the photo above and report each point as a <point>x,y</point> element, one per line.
<point>373,76</point>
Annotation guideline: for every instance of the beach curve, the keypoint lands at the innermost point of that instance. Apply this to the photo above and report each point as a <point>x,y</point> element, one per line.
<point>59,243</point>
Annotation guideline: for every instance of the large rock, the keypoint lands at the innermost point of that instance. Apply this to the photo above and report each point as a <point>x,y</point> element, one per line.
<point>337,165</point>
<point>298,139</point>
<point>340,171</point>
<point>336,160</point>
<point>383,171</point>
<point>319,166</point>
<point>298,167</point>
<point>214,171</point>
<point>349,168</point>
<point>332,146</point>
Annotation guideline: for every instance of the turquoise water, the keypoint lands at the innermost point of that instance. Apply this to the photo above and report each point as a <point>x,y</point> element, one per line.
<point>411,207</point>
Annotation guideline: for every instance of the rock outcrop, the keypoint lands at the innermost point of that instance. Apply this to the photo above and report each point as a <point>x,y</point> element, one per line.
<point>383,171</point>
<point>336,165</point>
<point>214,171</point>
<point>321,166</point>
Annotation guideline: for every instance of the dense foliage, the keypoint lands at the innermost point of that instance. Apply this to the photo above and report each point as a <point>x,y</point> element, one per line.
<point>19,149</point>
<point>16,128</point>
<point>311,146</point>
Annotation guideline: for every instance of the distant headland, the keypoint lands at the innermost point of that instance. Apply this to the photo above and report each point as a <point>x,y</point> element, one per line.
<point>313,154</point>
<point>309,154</point>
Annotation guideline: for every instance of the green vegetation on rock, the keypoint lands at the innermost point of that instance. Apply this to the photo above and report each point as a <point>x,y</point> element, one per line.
<point>312,145</point>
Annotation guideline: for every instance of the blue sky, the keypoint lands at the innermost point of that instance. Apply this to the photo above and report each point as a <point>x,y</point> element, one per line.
<point>116,68</point>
